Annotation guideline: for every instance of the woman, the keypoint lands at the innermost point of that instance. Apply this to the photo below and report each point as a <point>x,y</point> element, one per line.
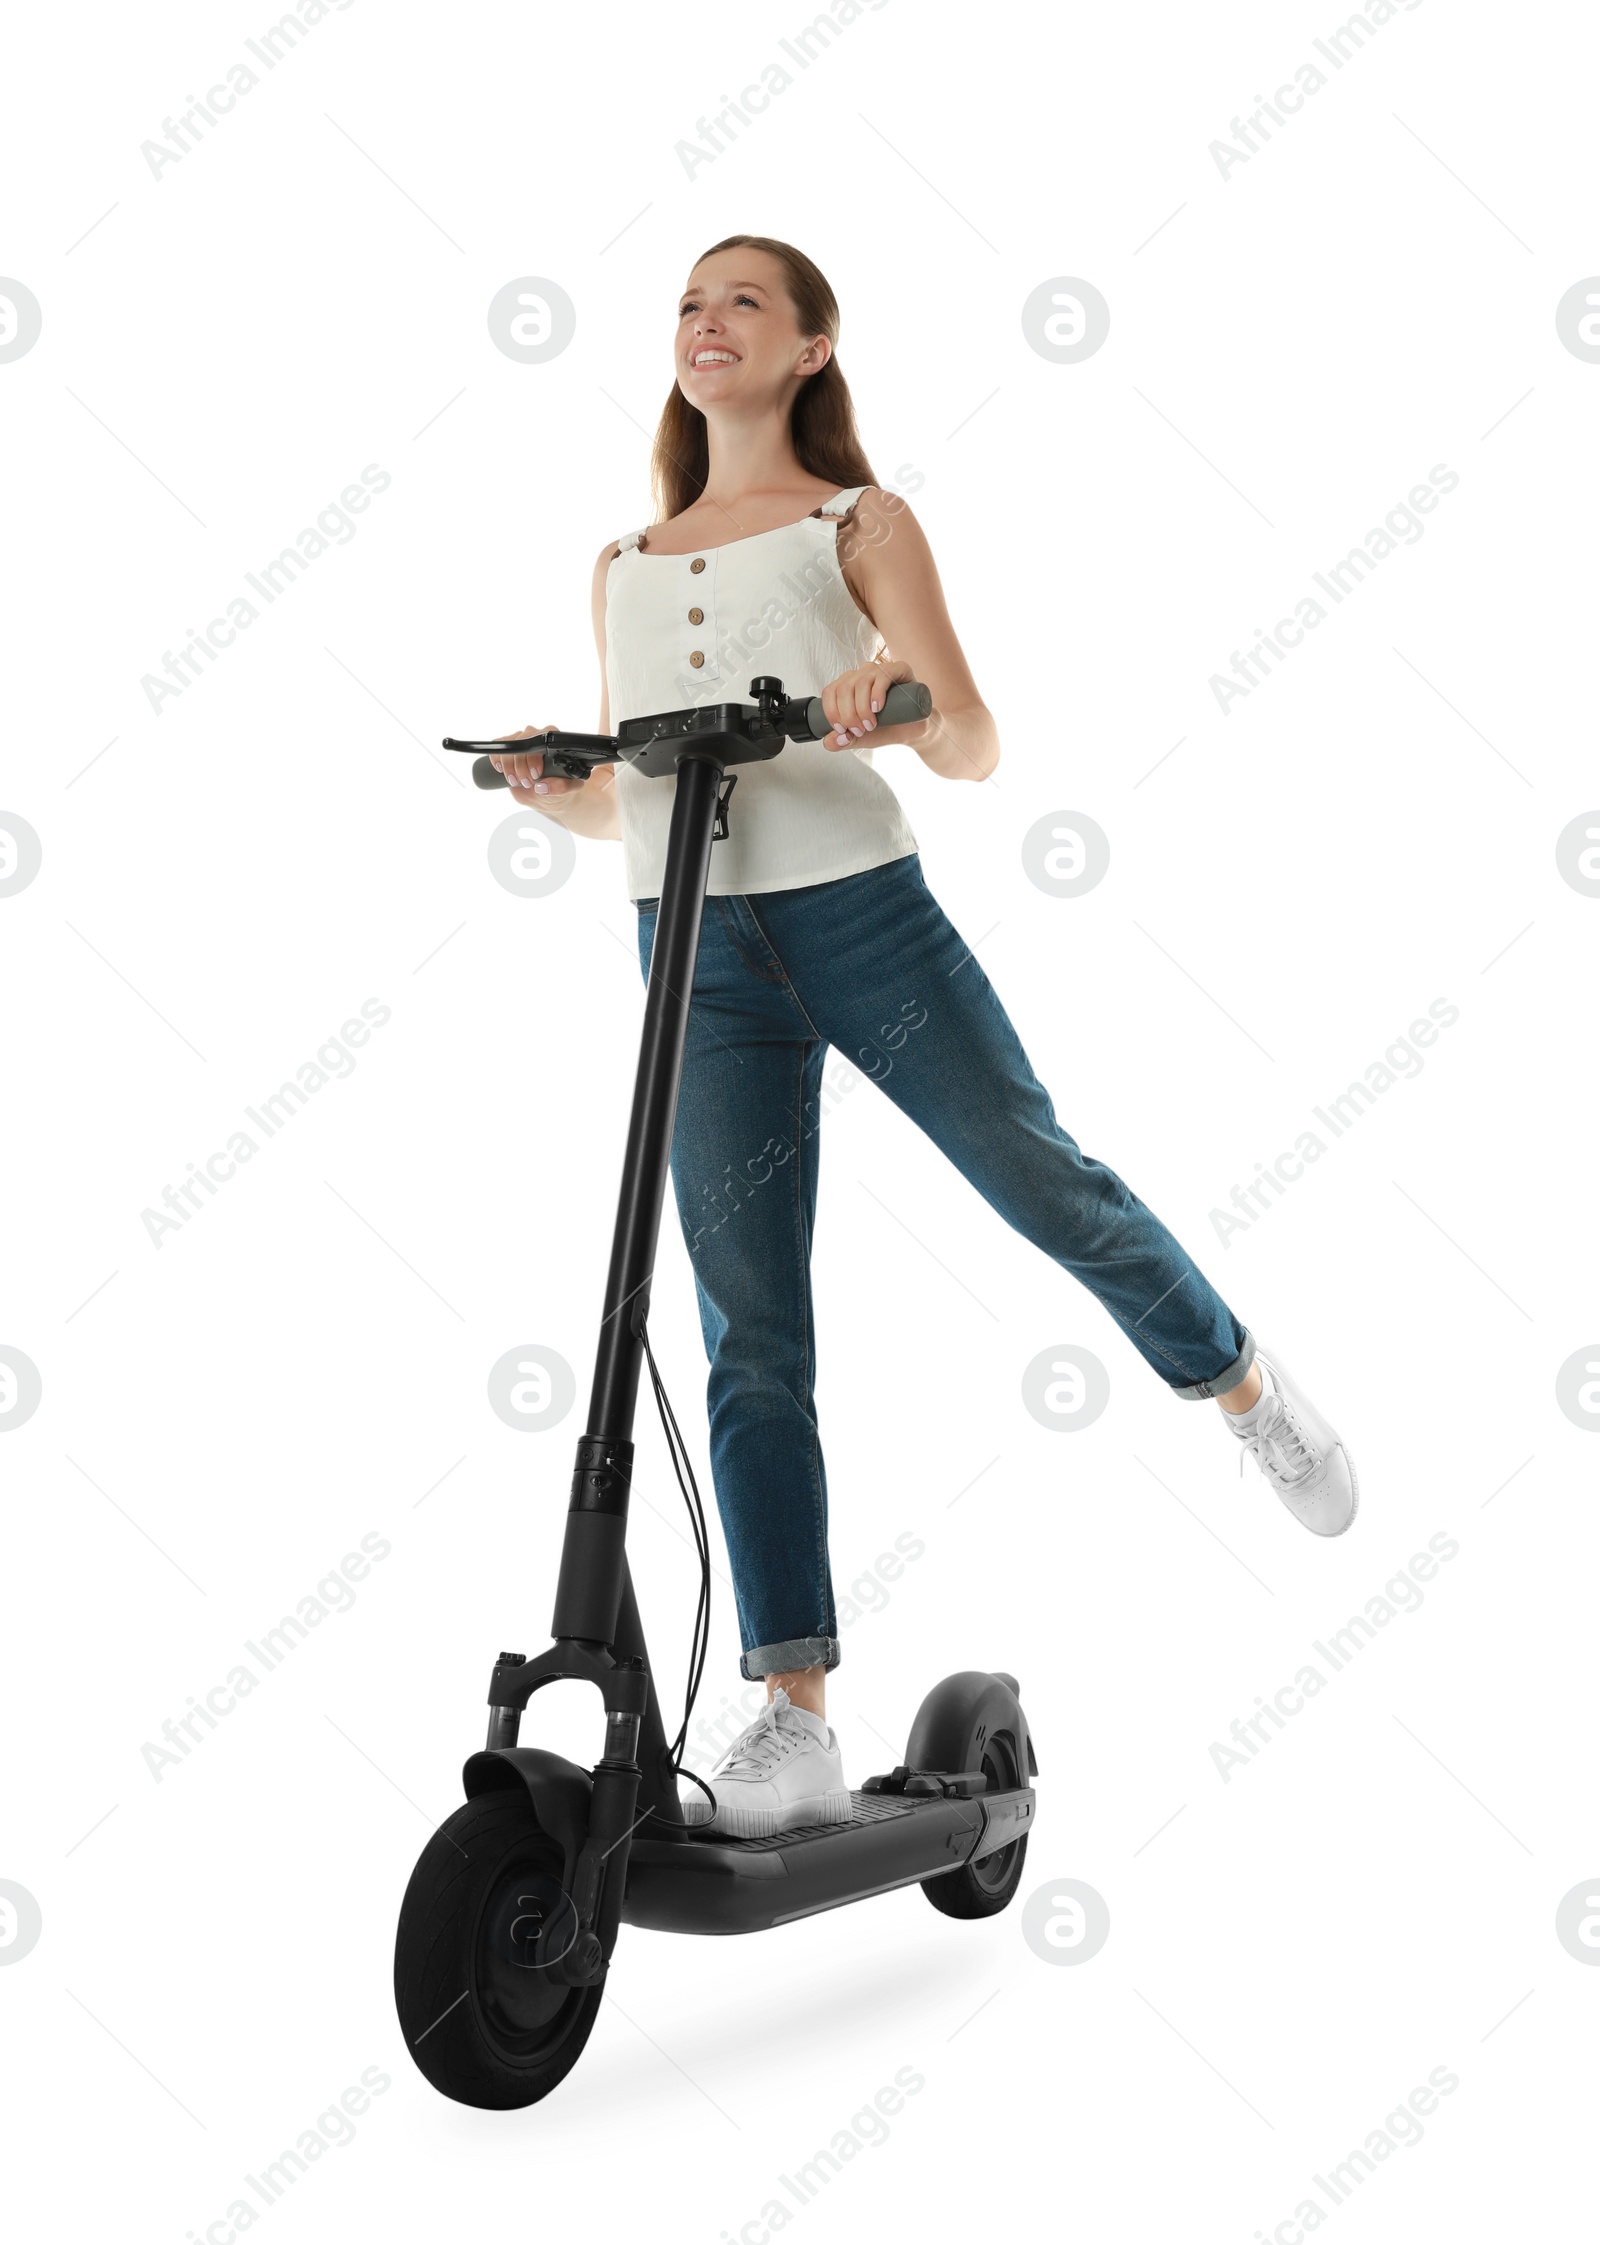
<point>776,551</point>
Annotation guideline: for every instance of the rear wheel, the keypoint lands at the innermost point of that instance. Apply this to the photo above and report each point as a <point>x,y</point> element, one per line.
<point>982,1890</point>
<point>484,1915</point>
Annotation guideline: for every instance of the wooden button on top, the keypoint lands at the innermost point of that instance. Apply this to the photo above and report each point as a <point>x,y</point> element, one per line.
<point>696,659</point>
<point>697,615</point>
<point>696,565</point>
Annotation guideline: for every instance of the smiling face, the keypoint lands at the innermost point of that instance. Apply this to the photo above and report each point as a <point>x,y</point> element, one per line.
<point>738,343</point>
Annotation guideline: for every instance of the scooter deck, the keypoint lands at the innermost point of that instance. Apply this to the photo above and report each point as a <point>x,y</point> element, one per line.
<point>689,1885</point>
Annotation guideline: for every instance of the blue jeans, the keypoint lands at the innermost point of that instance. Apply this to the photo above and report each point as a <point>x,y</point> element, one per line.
<point>871,965</point>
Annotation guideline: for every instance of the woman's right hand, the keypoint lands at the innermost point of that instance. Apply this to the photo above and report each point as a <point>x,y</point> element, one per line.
<point>524,772</point>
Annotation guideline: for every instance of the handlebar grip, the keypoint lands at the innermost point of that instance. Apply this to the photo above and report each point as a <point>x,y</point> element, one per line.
<point>902,705</point>
<point>485,775</point>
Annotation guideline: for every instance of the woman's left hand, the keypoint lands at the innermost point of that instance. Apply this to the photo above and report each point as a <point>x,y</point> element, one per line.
<point>852,703</point>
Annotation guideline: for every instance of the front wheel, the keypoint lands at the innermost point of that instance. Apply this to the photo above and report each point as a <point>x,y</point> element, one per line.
<point>483,1916</point>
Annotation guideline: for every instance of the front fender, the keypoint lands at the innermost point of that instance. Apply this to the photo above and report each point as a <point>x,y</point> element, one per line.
<point>558,1790</point>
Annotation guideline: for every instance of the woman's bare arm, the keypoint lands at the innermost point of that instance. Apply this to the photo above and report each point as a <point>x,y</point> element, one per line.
<point>889,567</point>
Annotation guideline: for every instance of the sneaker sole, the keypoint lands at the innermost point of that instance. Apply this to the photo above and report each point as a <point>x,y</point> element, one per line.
<point>1327,1534</point>
<point>738,1823</point>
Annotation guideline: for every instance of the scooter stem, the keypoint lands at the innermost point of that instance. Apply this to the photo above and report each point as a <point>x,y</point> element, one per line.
<point>589,1588</point>
<point>655,1098</point>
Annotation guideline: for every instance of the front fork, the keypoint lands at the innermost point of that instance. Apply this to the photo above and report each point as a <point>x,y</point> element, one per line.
<point>598,1638</point>
<point>598,1873</point>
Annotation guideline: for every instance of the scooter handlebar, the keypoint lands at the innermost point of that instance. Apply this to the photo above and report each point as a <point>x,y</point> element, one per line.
<point>905,704</point>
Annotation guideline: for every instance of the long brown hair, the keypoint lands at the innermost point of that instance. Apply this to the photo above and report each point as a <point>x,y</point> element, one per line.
<point>823,428</point>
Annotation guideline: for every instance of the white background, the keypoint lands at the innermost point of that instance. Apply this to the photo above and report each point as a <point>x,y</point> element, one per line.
<point>304,1362</point>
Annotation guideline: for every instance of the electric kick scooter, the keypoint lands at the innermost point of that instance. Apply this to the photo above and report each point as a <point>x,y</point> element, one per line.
<point>508,1924</point>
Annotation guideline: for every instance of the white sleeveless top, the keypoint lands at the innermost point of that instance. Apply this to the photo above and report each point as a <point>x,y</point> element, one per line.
<point>685,629</point>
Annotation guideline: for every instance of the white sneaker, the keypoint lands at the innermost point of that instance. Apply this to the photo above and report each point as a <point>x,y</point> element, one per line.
<point>784,1770</point>
<point>1298,1452</point>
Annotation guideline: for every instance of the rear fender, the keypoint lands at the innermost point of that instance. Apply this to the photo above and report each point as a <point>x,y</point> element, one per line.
<point>973,1702</point>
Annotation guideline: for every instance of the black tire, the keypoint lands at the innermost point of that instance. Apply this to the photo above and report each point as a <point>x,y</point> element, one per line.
<point>482,2021</point>
<point>982,1890</point>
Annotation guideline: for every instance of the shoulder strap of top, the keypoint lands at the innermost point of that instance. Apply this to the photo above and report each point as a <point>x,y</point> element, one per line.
<point>842,501</point>
<point>627,544</point>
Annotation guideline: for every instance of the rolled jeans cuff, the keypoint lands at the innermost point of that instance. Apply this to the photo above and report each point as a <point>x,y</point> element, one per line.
<point>1224,1381</point>
<point>792,1653</point>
